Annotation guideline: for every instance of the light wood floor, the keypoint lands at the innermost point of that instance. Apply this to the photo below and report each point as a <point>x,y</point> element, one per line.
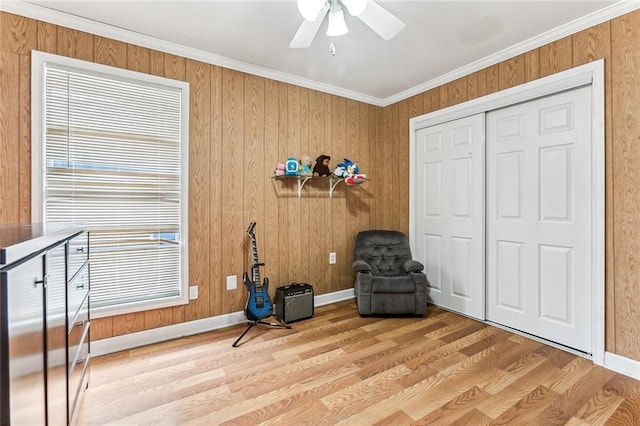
<point>340,368</point>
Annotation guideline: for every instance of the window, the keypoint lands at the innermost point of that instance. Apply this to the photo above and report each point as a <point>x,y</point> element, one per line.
<point>109,149</point>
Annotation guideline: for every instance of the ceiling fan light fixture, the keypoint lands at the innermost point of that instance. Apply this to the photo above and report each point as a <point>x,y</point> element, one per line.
<point>355,7</point>
<point>309,9</point>
<point>337,26</point>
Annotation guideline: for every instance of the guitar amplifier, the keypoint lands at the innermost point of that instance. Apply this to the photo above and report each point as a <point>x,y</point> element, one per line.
<point>294,302</point>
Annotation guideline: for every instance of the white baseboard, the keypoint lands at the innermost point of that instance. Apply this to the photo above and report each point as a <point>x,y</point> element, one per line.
<point>622,365</point>
<point>336,296</point>
<point>161,334</point>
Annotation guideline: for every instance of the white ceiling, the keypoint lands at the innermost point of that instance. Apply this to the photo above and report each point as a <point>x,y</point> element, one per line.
<point>440,37</point>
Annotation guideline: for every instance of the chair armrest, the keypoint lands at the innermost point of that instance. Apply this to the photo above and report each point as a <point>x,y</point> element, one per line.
<point>413,266</point>
<point>361,266</point>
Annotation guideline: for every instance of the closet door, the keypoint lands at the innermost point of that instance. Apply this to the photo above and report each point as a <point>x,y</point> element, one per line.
<point>449,235</point>
<point>539,217</point>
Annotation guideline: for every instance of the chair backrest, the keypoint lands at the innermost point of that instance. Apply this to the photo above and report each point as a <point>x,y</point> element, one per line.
<point>386,251</point>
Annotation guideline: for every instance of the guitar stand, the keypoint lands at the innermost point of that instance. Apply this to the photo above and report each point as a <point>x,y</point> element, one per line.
<point>251,323</point>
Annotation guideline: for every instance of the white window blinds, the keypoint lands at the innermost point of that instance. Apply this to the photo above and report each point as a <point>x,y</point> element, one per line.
<point>114,159</point>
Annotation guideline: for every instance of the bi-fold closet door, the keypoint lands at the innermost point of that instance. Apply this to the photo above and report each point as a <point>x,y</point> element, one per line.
<point>503,216</point>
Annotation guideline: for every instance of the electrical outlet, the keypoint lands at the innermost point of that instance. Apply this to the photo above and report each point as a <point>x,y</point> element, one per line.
<point>332,258</point>
<point>232,282</point>
<point>193,292</point>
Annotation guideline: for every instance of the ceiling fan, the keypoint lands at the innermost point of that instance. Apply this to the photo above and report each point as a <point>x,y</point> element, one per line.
<point>380,20</point>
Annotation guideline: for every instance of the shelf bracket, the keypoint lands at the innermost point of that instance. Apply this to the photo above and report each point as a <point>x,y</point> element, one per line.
<point>301,181</point>
<point>333,182</point>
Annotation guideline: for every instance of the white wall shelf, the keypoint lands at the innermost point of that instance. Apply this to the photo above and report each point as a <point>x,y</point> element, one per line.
<point>332,181</point>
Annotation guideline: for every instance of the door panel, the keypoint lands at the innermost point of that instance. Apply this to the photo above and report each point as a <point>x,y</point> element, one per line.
<point>539,217</point>
<point>450,213</point>
<point>509,291</point>
<point>509,185</point>
<point>432,259</point>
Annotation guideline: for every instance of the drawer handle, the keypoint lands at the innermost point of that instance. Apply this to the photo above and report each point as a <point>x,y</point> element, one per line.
<point>43,281</point>
<point>81,286</point>
<point>80,249</point>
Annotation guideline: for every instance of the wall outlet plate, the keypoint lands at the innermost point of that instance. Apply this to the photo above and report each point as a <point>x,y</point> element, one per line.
<point>193,292</point>
<point>232,282</point>
<point>332,258</point>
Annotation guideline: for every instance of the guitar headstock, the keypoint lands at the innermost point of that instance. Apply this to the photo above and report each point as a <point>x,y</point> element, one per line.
<point>251,230</point>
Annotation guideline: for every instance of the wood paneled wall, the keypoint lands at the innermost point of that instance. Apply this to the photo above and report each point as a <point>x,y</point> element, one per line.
<point>618,42</point>
<point>242,125</point>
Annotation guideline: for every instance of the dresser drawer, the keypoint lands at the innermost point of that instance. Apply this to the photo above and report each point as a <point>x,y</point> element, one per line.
<point>82,386</point>
<point>78,253</point>
<point>77,292</point>
<point>78,371</point>
<point>76,360</point>
<point>77,333</point>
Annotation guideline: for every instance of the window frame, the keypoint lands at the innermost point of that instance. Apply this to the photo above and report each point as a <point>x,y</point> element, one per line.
<point>39,61</point>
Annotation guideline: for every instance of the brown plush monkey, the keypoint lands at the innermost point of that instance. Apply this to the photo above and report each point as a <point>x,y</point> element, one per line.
<point>321,168</point>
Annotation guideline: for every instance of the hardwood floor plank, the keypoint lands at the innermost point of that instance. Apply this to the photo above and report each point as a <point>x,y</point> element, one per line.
<point>494,406</point>
<point>383,360</point>
<point>182,410</point>
<point>486,342</point>
<point>599,407</point>
<point>368,391</point>
<point>628,412</point>
<point>568,375</point>
<point>567,404</point>
<point>264,378</point>
<point>526,410</point>
<point>456,408</point>
<point>457,379</point>
<point>516,371</point>
<point>473,417</point>
<point>340,368</point>
<point>399,418</point>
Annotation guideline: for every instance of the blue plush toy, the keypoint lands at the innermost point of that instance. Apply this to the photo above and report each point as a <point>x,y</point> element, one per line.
<point>340,170</point>
<point>350,172</point>
<point>352,168</point>
<point>291,167</point>
<point>346,168</point>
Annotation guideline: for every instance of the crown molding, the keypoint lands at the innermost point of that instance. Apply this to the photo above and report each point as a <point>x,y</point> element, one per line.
<point>55,17</point>
<point>41,13</point>
<point>610,12</point>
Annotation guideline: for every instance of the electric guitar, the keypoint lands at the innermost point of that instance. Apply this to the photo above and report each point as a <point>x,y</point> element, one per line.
<point>259,304</point>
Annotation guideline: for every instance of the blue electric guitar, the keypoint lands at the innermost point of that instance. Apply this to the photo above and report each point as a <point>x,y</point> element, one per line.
<point>259,304</point>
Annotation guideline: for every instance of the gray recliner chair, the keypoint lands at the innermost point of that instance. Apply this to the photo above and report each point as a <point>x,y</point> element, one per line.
<point>388,280</point>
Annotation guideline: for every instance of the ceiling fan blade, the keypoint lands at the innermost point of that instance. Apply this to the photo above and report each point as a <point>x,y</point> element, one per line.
<point>381,20</point>
<point>307,31</point>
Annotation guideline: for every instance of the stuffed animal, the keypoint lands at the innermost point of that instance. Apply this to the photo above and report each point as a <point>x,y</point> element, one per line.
<point>305,166</point>
<point>355,179</point>
<point>291,167</point>
<point>350,172</point>
<point>352,168</point>
<point>321,168</point>
<point>342,169</point>
<point>280,169</point>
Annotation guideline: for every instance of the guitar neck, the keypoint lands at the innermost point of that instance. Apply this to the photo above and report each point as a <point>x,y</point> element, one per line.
<point>255,269</point>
